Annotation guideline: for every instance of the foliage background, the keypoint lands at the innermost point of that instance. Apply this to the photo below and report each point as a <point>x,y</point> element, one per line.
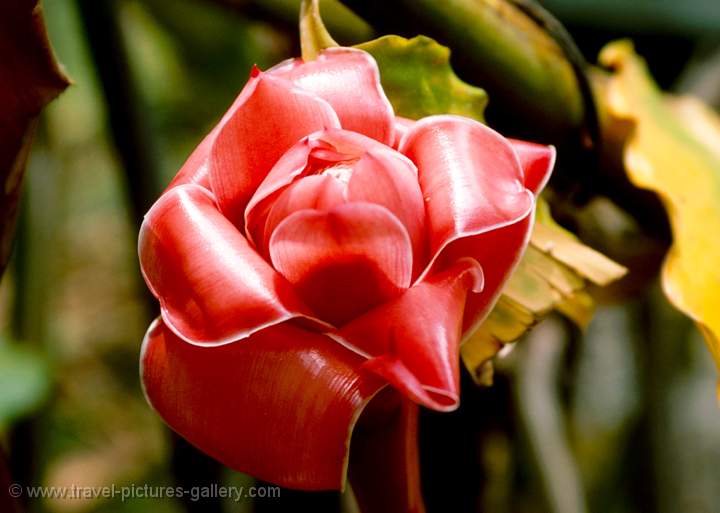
<point>620,419</point>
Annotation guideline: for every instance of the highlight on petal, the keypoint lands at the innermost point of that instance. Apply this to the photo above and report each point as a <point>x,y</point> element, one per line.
<point>349,80</point>
<point>537,161</point>
<point>413,341</point>
<point>268,117</point>
<point>344,261</point>
<point>280,407</point>
<point>384,461</point>
<point>212,286</point>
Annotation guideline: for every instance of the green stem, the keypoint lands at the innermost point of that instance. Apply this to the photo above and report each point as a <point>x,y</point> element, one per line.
<point>314,37</point>
<point>534,89</point>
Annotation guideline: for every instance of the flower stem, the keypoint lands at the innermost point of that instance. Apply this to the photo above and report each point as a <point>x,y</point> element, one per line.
<point>314,37</point>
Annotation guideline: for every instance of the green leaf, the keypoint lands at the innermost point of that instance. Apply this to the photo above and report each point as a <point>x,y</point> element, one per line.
<point>417,78</point>
<point>24,381</point>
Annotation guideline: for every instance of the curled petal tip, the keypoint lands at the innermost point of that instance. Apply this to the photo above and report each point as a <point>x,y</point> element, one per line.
<point>537,162</point>
<point>399,376</point>
<point>255,71</point>
<point>473,273</point>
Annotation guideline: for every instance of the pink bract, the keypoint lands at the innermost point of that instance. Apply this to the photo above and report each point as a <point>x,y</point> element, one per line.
<point>315,249</point>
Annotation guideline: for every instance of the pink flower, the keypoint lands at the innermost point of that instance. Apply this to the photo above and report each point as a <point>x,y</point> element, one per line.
<point>315,248</point>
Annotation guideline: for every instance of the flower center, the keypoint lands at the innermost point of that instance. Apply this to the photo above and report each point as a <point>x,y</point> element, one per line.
<point>341,171</point>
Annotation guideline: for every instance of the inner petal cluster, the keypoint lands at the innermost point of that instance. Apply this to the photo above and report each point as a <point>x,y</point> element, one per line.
<point>341,217</point>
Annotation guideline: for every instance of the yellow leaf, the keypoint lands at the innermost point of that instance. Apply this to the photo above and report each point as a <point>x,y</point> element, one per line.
<point>552,275</point>
<point>674,151</point>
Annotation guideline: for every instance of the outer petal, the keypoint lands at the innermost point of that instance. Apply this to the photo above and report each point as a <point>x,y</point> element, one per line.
<point>280,407</point>
<point>269,116</point>
<point>349,80</point>
<point>344,261</point>
<point>537,161</point>
<point>499,252</point>
<point>414,340</point>
<point>212,286</point>
<point>384,464</point>
<point>470,176</point>
<point>477,201</point>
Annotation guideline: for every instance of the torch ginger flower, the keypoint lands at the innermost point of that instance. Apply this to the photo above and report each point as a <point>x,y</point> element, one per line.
<point>318,262</point>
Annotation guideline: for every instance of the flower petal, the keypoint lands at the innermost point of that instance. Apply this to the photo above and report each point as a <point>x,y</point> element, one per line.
<point>344,261</point>
<point>537,161</point>
<point>212,286</point>
<point>349,80</point>
<point>498,252</point>
<point>413,341</point>
<point>280,407</point>
<point>386,177</point>
<point>384,461</point>
<point>318,192</point>
<point>478,204</point>
<point>309,155</point>
<point>381,176</point>
<point>470,176</point>
<point>269,116</point>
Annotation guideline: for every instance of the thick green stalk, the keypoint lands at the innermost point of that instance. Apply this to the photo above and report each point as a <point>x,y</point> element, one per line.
<point>534,89</point>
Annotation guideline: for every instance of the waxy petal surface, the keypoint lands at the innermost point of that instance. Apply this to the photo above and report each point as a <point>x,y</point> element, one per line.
<point>269,116</point>
<point>308,156</point>
<point>381,176</point>
<point>413,341</point>
<point>280,407</point>
<point>317,192</point>
<point>212,286</point>
<point>470,176</point>
<point>498,252</point>
<point>349,80</point>
<point>385,177</point>
<point>479,201</point>
<point>344,261</point>
<point>402,126</point>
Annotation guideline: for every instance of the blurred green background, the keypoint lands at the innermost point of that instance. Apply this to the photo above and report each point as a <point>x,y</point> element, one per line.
<point>621,419</point>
